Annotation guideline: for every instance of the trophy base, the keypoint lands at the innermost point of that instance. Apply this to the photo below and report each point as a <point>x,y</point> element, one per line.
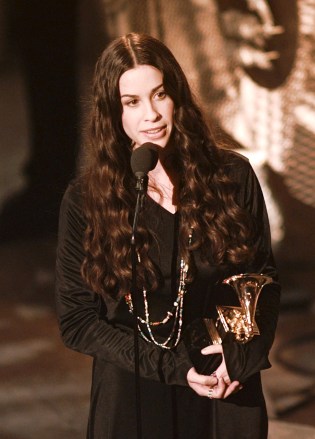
<point>213,331</point>
<point>199,334</point>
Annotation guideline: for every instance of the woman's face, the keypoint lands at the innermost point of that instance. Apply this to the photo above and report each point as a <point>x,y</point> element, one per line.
<point>147,110</point>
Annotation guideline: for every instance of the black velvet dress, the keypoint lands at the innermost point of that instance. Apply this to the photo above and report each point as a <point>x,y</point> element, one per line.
<point>102,328</point>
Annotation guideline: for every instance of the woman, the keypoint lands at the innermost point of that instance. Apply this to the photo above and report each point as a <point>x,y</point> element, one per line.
<point>203,220</point>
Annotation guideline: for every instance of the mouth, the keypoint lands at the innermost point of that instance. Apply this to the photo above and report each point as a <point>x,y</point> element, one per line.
<point>154,130</point>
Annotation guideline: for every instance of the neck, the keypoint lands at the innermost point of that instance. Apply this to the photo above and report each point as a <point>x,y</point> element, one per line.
<point>163,186</point>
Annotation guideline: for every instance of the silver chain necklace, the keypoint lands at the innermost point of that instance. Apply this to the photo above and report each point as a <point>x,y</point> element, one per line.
<point>176,313</point>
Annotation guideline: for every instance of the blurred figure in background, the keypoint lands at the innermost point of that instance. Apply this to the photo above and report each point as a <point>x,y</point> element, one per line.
<point>45,36</point>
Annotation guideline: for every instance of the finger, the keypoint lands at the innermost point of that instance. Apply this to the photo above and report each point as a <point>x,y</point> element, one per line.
<point>232,388</point>
<point>222,388</point>
<point>200,389</point>
<point>222,372</point>
<point>212,349</point>
<point>226,379</point>
<point>194,376</point>
<point>205,380</point>
<point>219,390</point>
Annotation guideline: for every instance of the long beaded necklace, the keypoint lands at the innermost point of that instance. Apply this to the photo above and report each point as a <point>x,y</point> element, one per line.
<point>176,313</point>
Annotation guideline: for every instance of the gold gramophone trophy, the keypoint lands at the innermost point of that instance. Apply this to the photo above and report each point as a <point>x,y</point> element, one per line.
<point>233,323</point>
<point>240,321</point>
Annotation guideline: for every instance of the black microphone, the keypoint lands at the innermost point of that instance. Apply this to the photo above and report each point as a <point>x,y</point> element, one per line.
<point>144,159</point>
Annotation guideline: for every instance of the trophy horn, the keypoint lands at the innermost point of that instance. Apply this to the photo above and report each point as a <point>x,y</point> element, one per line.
<point>248,288</point>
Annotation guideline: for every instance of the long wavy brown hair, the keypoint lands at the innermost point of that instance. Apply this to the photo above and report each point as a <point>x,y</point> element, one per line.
<point>222,231</point>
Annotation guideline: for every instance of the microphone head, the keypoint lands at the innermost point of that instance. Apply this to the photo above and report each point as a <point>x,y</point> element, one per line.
<point>144,159</point>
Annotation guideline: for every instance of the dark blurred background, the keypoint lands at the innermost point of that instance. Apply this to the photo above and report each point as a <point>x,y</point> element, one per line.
<point>252,66</point>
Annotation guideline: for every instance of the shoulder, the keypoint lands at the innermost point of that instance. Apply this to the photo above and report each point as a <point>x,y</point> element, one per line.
<point>72,225</point>
<point>72,202</point>
<point>237,167</point>
<point>234,164</point>
<point>240,171</point>
<point>73,194</point>
<point>230,157</point>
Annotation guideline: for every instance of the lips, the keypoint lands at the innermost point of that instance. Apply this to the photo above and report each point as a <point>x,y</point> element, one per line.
<point>154,130</point>
<point>155,134</point>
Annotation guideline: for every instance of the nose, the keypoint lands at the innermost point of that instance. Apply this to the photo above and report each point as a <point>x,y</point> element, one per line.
<point>151,112</point>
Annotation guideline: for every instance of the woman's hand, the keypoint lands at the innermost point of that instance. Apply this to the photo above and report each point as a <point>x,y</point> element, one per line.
<point>201,383</point>
<point>221,371</point>
<point>218,385</point>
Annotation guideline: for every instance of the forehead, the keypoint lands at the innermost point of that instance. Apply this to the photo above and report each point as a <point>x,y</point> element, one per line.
<point>140,79</point>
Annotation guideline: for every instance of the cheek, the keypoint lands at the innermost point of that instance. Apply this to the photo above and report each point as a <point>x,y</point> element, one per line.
<point>170,111</point>
<point>126,123</point>
<point>130,124</point>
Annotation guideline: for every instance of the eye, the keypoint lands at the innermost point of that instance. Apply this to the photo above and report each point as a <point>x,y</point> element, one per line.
<point>160,95</point>
<point>132,102</point>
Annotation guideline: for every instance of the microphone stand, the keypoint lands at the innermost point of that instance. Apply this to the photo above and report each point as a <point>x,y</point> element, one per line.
<point>140,188</point>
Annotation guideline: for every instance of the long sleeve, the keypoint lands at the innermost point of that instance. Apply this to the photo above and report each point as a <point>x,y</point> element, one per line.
<point>81,315</point>
<point>243,360</point>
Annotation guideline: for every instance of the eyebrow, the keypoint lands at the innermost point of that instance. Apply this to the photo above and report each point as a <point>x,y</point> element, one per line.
<point>133,96</point>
